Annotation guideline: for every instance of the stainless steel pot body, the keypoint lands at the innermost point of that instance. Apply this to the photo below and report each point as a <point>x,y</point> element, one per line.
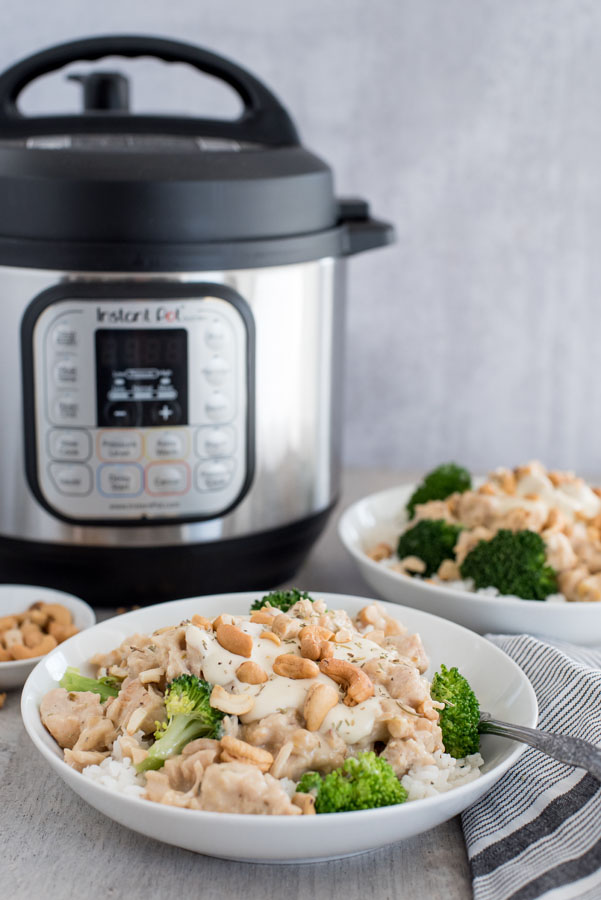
<point>297,312</point>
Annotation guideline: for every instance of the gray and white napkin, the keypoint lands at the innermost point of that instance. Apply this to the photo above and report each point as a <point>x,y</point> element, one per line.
<point>538,832</point>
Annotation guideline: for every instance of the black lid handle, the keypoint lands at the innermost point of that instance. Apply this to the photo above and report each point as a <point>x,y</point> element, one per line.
<point>264,120</point>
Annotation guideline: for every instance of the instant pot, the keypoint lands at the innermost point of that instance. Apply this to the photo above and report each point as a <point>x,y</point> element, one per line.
<point>172,295</point>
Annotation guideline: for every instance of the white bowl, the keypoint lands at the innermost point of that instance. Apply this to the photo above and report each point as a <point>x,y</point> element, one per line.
<point>15,598</point>
<point>500,684</point>
<point>380,517</point>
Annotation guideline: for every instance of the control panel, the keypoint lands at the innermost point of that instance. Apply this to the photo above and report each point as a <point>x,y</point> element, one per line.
<point>141,405</point>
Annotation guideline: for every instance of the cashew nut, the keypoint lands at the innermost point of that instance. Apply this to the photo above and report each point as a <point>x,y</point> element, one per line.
<point>20,651</point>
<point>251,673</point>
<point>232,704</point>
<point>286,627</point>
<point>234,750</point>
<point>320,699</point>
<point>151,676</point>
<point>201,622</point>
<point>57,612</point>
<point>61,632</point>
<point>7,622</point>
<point>260,617</point>
<point>32,634</point>
<point>356,682</point>
<point>306,802</point>
<point>234,639</point>
<point>270,636</point>
<point>291,666</point>
<point>343,636</point>
<point>314,642</point>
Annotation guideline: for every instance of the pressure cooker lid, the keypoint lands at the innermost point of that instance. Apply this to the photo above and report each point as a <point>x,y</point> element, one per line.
<point>111,188</point>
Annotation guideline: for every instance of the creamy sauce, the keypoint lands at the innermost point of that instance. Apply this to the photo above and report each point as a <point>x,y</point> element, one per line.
<point>277,694</point>
<point>570,498</point>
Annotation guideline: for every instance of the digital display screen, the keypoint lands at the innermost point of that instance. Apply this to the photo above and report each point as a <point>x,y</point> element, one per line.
<point>141,377</point>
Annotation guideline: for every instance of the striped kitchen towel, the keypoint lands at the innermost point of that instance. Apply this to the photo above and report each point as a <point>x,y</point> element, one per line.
<point>538,832</point>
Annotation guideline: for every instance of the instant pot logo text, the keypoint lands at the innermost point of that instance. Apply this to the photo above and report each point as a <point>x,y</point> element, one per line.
<point>127,316</point>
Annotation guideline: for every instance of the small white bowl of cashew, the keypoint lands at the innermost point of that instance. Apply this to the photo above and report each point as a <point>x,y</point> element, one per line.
<point>16,598</point>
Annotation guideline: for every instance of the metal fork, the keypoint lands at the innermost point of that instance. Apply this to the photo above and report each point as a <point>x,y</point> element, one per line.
<point>570,750</point>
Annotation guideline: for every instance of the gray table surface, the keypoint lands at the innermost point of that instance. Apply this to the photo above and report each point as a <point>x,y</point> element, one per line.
<point>53,845</point>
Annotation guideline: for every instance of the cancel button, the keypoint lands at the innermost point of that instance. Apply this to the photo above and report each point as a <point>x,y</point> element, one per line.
<point>163,479</point>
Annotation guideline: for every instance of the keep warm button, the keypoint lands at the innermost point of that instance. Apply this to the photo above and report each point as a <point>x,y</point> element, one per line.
<point>167,479</point>
<point>120,480</point>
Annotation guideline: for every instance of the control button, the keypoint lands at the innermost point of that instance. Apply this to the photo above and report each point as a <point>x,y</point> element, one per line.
<point>216,370</point>
<point>215,334</point>
<point>164,479</point>
<point>123,414</point>
<point>64,335</point>
<point>218,407</point>
<point>71,479</point>
<point>66,408</point>
<point>70,445</point>
<point>214,474</point>
<point>165,445</point>
<point>65,371</point>
<point>119,445</point>
<point>167,412</point>
<point>120,480</point>
<point>215,441</point>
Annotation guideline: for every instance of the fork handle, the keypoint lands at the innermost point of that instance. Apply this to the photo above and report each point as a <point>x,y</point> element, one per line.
<point>570,750</point>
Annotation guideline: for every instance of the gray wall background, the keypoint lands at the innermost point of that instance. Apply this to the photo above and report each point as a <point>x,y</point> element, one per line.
<point>475,126</point>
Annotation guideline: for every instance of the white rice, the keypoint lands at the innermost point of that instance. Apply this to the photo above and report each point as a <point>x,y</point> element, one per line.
<point>118,774</point>
<point>448,773</point>
<point>467,585</point>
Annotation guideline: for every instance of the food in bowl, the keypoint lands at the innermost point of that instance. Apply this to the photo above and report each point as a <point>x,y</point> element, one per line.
<point>526,533</point>
<point>35,631</point>
<point>292,709</point>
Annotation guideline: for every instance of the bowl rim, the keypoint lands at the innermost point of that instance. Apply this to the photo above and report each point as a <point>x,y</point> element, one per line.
<point>347,520</point>
<point>30,707</point>
<point>84,608</point>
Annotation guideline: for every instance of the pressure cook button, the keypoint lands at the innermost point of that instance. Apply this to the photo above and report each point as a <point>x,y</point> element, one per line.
<point>65,371</point>
<point>71,479</point>
<point>215,441</point>
<point>64,335</point>
<point>166,412</point>
<point>214,474</point>
<point>215,334</point>
<point>216,370</point>
<point>120,480</point>
<point>162,479</point>
<point>66,408</point>
<point>70,445</point>
<point>115,445</point>
<point>218,407</point>
<point>165,445</point>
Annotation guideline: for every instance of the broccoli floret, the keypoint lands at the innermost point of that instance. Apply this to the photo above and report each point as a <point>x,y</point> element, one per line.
<point>447,479</point>
<point>282,599</point>
<point>514,562</point>
<point>189,716</point>
<point>432,540</point>
<point>460,718</point>
<point>364,781</point>
<point>105,686</point>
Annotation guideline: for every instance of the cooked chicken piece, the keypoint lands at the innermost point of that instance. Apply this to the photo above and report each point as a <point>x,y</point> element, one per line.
<point>475,509</point>
<point>147,653</point>
<point>589,589</point>
<point>132,749</point>
<point>560,553</point>
<point>118,656</point>
<point>404,753</point>
<point>524,518</point>
<point>98,733</point>
<point>570,580</point>
<point>79,759</point>
<point>209,749</point>
<point>173,643</point>
<point>240,788</point>
<point>411,647</point>
<point>65,714</point>
<point>434,509</point>
<point>272,731</point>
<point>402,681</point>
<point>157,785</point>
<point>137,707</point>
<point>588,552</point>
<point>449,570</point>
<point>468,539</point>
